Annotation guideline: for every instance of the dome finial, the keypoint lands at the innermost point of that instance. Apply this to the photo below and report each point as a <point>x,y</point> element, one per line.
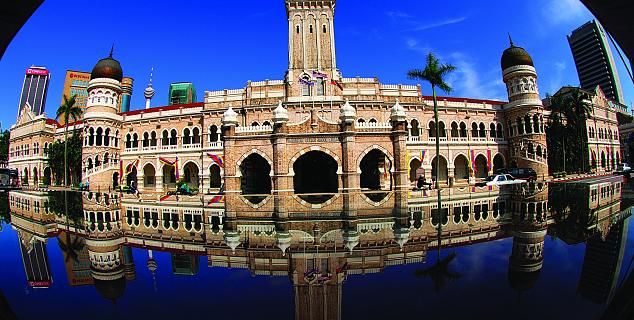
<point>111,49</point>
<point>511,40</point>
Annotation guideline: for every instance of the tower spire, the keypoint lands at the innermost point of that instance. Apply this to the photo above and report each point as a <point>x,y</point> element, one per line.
<point>151,73</point>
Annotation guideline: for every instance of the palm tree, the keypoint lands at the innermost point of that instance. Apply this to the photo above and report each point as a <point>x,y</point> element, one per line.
<point>581,111</point>
<point>67,111</point>
<point>435,74</point>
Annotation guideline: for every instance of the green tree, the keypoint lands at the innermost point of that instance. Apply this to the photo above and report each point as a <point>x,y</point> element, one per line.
<point>56,158</point>
<point>4,148</point>
<point>567,133</point>
<point>67,111</point>
<point>435,73</point>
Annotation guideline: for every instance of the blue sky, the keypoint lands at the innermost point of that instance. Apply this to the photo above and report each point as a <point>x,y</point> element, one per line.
<point>222,46</point>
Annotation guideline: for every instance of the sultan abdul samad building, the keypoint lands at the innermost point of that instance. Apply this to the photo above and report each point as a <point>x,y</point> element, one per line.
<point>314,131</point>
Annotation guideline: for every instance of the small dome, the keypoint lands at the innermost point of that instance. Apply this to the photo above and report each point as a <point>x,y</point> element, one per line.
<point>398,113</point>
<point>522,281</point>
<point>350,239</point>
<point>401,236</point>
<point>515,56</point>
<point>107,68</point>
<point>110,289</point>
<point>230,117</point>
<point>347,114</point>
<point>283,241</point>
<point>280,114</point>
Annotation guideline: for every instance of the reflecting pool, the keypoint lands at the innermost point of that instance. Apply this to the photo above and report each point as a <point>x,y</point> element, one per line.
<point>547,251</point>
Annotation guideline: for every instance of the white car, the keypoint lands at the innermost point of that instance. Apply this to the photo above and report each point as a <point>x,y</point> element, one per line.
<point>502,179</point>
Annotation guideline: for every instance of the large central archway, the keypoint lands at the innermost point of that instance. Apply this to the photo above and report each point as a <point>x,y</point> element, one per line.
<point>461,168</point>
<point>443,176</point>
<point>375,171</point>
<point>256,175</point>
<point>315,172</point>
<point>481,165</point>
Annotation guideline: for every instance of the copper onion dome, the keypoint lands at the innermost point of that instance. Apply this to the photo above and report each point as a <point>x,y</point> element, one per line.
<point>515,56</point>
<point>107,68</point>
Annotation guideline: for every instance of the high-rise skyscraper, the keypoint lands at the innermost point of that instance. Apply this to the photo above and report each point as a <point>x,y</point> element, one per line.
<point>594,61</point>
<point>76,83</point>
<point>34,89</point>
<point>181,93</point>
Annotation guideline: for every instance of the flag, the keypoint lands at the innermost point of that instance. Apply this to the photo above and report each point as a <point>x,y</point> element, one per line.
<point>166,161</point>
<point>318,74</point>
<point>336,83</point>
<point>306,82</point>
<point>385,167</point>
<point>217,159</point>
<point>216,199</point>
<point>422,156</point>
<point>120,171</point>
<point>176,169</point>
<point>489,160</point>
<point>472,160</point>
<point>163,198</point>
<point>130,166</point>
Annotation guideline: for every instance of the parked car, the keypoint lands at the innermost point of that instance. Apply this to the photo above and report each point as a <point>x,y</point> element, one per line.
<point>624,169</point>
<point>500,180</point>
<point>528,174</point>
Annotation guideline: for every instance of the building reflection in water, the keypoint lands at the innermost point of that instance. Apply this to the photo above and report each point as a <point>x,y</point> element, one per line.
<point>318,245</point>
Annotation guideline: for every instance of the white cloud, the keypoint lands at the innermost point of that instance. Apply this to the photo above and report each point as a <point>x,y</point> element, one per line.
<point>421,27</point>
<point>415,45</point>
<point>469,82</point>
<point>558,11</point>
<point>556,79</point>
<point>416,25</point>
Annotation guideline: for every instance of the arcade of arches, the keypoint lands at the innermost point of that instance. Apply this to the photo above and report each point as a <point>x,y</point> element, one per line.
<point>315,172</point>
<point>255,175</point>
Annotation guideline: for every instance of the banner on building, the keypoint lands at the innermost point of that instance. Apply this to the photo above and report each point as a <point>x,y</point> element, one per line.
<point>489,160</point>
<point>217,159</point>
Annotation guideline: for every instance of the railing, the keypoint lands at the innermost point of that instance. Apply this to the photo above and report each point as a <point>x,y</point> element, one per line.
<point>374,125</point>
<point>419,139</point>
<point>169,147</point>
<point>216,144</point>
<point>100,168</point>
<point>192,146</point>
<point>251,129</point>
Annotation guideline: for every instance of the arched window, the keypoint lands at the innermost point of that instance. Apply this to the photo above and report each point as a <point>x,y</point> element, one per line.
<point>153,139</point>
<point>91,137</point>
<point>99,141</point>
<point>213,133</point>
<point>186,136</point>
<point>441,129</point>
<point>531,148</point>
<point>135,140</point>
<point>454,130</point>
<point>527,124</point>
<point>500,131</point>
<point>483,130</point>
<point>116,139</point>
<point>474,130</point>
<point>536,126</point>
<point>321,87</point>
<point>106,138</point>
<point>173,137</point>
<point>372,120</point>
<point>463,130</point>
<point>492,131</point>
<point>414,130</point>
<point>146,140</point>
<point>254,124</point>
<point>165,139</point>
<point>266,123</point>
<point>539,150</point>
<point>196,136</point>
<point>432,129</point>
<point>128,141</point>
<point>306,84</point>
<point>520,125</point>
